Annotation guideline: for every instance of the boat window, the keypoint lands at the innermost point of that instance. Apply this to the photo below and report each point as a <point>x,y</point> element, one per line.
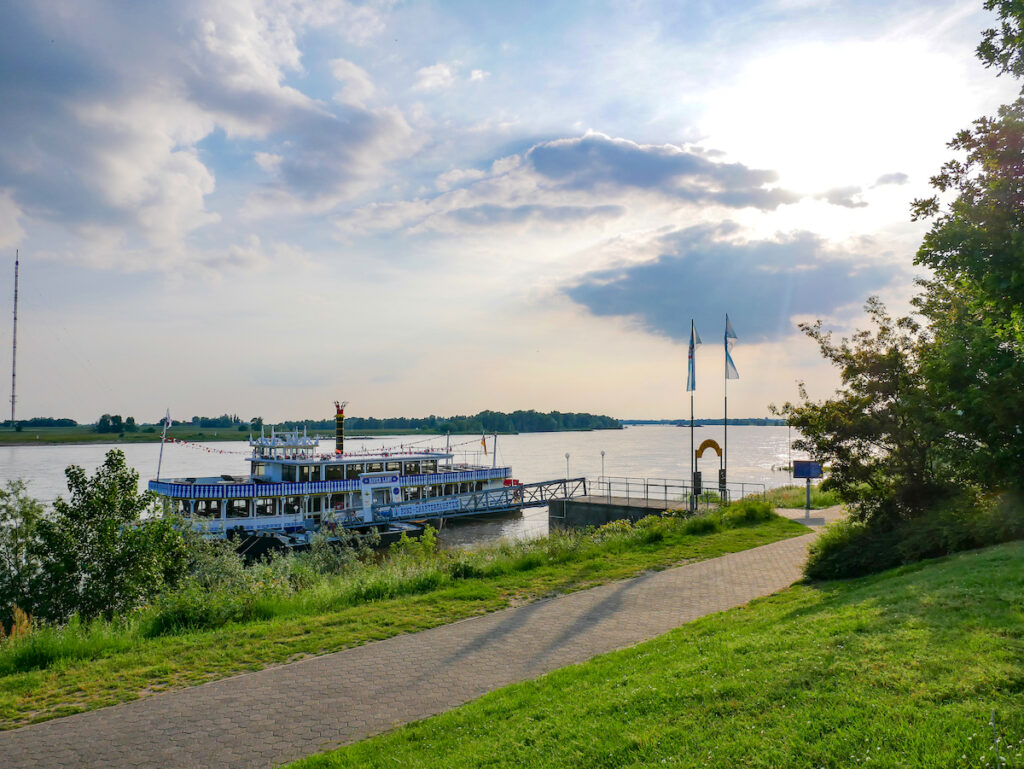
<point>429,466</point>
<point>412,468</point>
<point>259,469</point>
<point>288,473</point>
<point>335,472</point>
<point>375,467</point>
<point>304,473</point>
<point>393,467</point>
<point>352,472</point>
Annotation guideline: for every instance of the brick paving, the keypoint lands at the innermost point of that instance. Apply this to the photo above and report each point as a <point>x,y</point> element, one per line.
<point>281,714</point>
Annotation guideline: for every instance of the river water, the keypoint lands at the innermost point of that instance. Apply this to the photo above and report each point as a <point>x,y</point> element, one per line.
<point>642,451</point>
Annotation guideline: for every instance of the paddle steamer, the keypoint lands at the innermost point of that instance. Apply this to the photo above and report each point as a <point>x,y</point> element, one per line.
<point>294,487</point>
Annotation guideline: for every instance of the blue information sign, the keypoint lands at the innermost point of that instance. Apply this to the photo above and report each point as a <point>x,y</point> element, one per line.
<point>803,468</point>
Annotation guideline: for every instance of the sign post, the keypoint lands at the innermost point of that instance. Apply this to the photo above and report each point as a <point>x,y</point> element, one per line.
<point>807,470</point>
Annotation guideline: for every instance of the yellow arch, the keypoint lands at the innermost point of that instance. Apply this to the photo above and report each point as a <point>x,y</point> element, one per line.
<point>709,444</point>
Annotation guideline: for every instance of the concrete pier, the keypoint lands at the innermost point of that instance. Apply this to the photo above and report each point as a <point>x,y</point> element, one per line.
<point>599,510</point>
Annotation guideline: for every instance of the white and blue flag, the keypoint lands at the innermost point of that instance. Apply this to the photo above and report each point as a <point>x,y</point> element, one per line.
<point>730,341</point>
<point>691,371</point>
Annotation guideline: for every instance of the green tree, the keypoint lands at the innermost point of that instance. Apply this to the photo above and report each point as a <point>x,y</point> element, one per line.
<point>19,520</point>
<point>102,551</point>
<point>877,434</point>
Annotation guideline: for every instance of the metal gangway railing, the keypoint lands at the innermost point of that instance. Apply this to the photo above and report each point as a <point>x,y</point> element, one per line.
<point>488,501</point>
<point>670,490</point>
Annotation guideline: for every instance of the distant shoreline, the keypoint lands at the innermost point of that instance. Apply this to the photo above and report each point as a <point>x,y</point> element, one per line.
<point>59,436</point>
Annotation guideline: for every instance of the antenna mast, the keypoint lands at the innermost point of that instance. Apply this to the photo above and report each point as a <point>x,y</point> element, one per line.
<point>14,338</point>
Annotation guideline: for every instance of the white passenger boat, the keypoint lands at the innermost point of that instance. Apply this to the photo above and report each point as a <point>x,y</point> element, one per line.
<point>292,486</point>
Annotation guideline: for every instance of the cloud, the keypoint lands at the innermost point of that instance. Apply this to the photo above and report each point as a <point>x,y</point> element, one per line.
<point>847,197</point>
<point>435,76</point>
<point>456,177</point>
<point>596,162</point>
<point>479,74</point>
<point>705,271</point>
<point>106,110</point>
<point>606,177</point>
<point>893,178</point>
<point>357,86</point>
<point>11,231</point>
<point>484,215</point>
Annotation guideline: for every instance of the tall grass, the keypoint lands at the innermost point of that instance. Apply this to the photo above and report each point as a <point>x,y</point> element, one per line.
<point>796,497</point>
<point>221,590</point>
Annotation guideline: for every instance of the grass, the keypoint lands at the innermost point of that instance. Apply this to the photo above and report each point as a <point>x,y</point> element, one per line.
<point>58,672</point>
<point>902,669</point>
<point>795,497</point>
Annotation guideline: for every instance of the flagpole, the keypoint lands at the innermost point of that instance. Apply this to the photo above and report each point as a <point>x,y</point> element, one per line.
<point>725,407</point>
<point>693,354</point>
<point>163,438</point>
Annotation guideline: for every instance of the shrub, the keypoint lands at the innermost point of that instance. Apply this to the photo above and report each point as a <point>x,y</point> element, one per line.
<point>746,512</point>
<point>850,548</point>
<point>702,524</point>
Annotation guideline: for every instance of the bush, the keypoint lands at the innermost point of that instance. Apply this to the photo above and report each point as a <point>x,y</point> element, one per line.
<point>851,548</point>
<point>746,512</point>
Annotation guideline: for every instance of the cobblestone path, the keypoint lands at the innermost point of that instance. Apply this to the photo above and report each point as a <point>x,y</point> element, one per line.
<point>281,714</point>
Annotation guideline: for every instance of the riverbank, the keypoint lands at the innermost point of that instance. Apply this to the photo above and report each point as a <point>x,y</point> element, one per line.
<point>55,673</point>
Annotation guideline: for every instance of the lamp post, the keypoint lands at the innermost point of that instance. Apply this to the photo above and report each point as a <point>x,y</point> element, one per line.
<point>602,464</point>
<point>567,465</point>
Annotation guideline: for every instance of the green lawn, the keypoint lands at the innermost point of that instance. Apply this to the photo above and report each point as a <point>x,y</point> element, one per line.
<point>127,665</point>
<point>903,669</point>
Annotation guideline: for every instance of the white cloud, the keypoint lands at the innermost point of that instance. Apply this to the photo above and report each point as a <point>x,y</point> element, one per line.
<point>457,176</point>
<point>357,86</point>
<point>479,74</point>
<point>11,231</point>
<point>435,76</point>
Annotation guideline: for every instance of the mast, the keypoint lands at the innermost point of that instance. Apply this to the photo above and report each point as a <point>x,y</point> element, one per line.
<point>14,339</point>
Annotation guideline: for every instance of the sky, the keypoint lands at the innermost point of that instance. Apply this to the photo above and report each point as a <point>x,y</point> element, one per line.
<point>258,207</point>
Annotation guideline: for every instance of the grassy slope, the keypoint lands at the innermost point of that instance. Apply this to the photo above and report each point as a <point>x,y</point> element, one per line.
<point>901,669</point>
<point>136,666</point>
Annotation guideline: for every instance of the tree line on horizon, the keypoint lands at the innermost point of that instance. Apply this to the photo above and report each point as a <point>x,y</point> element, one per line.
<point>483,422</point>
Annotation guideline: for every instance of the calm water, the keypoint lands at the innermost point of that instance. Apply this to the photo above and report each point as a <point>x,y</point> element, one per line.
<point>651,451</point>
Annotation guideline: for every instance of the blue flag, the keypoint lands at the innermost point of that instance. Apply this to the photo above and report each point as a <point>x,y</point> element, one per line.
<point>730,340</point>
<point>691,370</point>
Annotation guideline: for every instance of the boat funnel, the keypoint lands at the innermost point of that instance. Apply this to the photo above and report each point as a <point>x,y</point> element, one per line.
<point>339,426</point>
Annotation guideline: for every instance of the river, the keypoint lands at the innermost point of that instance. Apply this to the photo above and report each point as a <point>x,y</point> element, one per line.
<point>642,451</point>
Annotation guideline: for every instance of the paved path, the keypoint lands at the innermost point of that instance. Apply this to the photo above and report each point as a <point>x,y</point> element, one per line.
<point>281,714</point>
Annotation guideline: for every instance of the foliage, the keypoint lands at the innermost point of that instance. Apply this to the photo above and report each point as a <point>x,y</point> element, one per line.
<point>877,434</point>
<point>115,424</point>
<point>19,520</point>
<point>484,422</point>
<point>850,548</point>
<point>976,383</point>
<point>1002,47</point>
<point>975,242</point>
<point>98,553</point>
<point>46,422</point>
<point>900,670</point>
<point>792,497</point>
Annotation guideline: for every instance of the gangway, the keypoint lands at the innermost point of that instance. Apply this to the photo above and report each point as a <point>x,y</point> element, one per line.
<point>507,498</point>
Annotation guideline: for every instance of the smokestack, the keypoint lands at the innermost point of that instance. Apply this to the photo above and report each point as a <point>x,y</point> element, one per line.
<point>339,426</point>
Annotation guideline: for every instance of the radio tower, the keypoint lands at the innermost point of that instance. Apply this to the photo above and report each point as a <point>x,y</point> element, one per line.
<point>14,339</point>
